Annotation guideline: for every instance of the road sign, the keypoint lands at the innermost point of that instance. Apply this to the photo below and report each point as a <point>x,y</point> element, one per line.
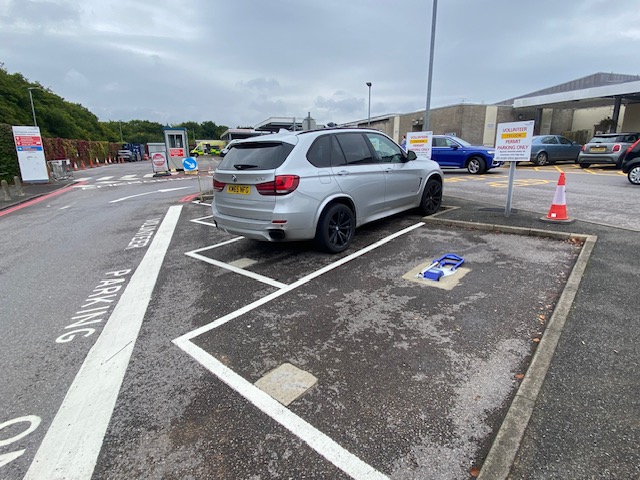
<point>513,141</point>
<point>189,164</point>
<point>33,167</point>
<point>420,143</point>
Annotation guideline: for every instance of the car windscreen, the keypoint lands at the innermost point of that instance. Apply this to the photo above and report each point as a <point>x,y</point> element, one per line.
<point>256,156</point>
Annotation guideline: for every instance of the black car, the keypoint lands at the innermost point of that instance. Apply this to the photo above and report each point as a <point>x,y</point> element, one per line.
<point>631,163</point>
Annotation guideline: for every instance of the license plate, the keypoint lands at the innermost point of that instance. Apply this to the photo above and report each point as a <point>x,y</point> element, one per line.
<point>239,189</point>
<point>598,149</point>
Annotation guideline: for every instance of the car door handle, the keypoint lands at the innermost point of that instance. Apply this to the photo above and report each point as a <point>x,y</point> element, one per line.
<point>342,172</point>
<point>388,170</point>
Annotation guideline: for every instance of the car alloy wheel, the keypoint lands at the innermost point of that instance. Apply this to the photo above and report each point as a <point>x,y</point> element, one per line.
<point>634,175</point>
<point>431,197</point>
<point>476,165</point>
<point>336,228</point>
<point>542,159</point>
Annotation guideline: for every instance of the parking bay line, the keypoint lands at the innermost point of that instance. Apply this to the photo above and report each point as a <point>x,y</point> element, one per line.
<point>72,443</point>
<point>321,443</point>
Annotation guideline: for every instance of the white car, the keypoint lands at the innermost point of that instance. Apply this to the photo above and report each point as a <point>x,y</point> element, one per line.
<point>226,149</point>
<point>319,184</point>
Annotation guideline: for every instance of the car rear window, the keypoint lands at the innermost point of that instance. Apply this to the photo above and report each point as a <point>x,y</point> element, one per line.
<point>256,156</point>
<point>627,138</point>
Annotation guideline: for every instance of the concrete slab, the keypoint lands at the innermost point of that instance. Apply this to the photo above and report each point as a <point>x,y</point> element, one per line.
<point>286,383</point>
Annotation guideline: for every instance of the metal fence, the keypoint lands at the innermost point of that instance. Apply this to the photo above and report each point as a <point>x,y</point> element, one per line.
<point>60,169</point>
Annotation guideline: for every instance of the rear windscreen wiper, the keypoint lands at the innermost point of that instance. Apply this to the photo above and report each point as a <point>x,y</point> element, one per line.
<point>244,166</point>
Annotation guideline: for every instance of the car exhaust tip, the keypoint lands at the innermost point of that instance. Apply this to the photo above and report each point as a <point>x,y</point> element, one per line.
<point>276,234</point>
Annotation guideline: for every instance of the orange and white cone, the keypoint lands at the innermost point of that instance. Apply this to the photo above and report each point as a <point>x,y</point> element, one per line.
<point>558,210</point>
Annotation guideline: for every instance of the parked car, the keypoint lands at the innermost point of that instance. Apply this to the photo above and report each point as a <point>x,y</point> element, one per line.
<point>320,185</point>
<point>226,149</point>
<point>606,148</point>
<point>631,163</point>
<point>126,155</point>
<point>547,149</point>
<point>454,152</point>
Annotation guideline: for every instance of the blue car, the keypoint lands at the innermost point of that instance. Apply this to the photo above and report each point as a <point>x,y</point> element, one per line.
<point>453,152</point>
<point>547,149</point>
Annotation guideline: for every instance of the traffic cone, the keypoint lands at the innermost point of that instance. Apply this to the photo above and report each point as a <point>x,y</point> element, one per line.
<point>558,210</point>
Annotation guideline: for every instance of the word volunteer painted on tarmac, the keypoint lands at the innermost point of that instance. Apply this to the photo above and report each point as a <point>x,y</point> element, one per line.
<point>95,307</point>
<point>142,238</point>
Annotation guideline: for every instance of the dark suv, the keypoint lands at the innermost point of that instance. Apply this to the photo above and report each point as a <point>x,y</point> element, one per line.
<point>631,163</point>
<point>606,148</point>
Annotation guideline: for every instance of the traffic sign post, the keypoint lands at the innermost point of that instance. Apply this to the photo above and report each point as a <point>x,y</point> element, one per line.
<point>190,164</point>
<point>513,144</point>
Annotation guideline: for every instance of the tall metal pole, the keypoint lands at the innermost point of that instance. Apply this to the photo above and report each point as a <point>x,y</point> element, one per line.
<point>433,42</point>
<point>369,115</point>
<point>33,110</point>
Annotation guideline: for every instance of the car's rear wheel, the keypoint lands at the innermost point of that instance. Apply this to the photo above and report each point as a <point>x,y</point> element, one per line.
<point>584,165</point>
<point>431,197</point>
<point>634,175</point>
<point>476,165</point>
<point>541,159</point>
<point>336,228</point>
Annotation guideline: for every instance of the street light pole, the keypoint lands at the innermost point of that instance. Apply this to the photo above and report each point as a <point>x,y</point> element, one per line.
<point>433,41</point>
<point>33,110</point>
<point>369,116</point>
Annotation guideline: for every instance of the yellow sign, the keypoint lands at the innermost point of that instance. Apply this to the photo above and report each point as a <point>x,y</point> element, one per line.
<point>515,135</point>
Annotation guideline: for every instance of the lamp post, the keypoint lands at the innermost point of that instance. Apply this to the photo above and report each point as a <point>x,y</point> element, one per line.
<point>33,110</point>
<point>431,49</point>
<point>369,115</point>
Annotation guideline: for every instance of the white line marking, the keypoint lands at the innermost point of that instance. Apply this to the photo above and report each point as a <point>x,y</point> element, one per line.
<point>71,445</point>
<point>148,175</point>
<point>317,440</point>
<point>148,193</point>
<point>293,286</point>
<point>200,220</point>
<point>128,177</point>
<point>104,179</point>
<point>240,271</point>
<point>199,202</point>
<point>321,443</point>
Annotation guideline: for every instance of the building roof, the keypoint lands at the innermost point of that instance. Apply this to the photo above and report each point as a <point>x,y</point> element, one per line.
<point>593,90</point>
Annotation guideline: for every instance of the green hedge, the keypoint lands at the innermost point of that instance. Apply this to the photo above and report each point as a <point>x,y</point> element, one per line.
<point>54,149</point>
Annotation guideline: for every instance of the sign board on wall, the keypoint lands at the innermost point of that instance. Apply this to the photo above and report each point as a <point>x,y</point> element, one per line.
<point>513,141</point>
<point>33,166</point>
<point>420,143</point>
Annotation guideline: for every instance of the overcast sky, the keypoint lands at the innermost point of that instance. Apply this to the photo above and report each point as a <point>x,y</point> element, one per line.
<point>239,62</point>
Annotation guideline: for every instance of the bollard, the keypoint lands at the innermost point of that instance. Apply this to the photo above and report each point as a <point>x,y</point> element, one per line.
<point>5,189</point>
<point>16,182</point>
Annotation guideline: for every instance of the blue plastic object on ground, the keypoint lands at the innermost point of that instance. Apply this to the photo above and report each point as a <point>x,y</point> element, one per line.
<point>445,265</point>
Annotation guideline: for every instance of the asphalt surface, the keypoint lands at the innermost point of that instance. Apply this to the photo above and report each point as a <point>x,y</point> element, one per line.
<point>584,422</point>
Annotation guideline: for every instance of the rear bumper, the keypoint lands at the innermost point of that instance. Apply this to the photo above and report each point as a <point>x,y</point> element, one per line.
<point>591,158</point>
<point>261,229</point>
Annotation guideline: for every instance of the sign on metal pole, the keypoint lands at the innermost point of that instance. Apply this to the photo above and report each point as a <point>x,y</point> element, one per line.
<point>420,143</point>
<point>33,166</point>
<point>513,144</point>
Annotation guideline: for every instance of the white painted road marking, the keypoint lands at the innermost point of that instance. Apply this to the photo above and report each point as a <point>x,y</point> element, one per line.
<point>321,443</point>
<point>128,177</point>
<point>148,193</point>
<point>71,445</point>
<point>104,179</point>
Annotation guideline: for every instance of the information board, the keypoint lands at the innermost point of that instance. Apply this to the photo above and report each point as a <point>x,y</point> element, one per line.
<point>420,143</point>
<point>33,166</point>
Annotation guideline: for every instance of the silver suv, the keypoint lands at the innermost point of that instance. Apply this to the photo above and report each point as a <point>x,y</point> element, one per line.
<point>319,185</point>
<point>606,148</point>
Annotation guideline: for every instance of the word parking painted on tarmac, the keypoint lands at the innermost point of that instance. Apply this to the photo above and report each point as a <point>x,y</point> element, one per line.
<point>96,306</point>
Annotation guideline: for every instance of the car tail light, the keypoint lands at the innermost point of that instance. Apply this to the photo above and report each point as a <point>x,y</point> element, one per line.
<point>616,148</point>
<point>218,186</point>
<point>632,146</point>
<point>281,185</point>
<point>584,148</point>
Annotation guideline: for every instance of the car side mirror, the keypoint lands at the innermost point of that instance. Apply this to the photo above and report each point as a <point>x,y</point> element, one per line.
<point>455,147</point>
<point>411,155</point>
